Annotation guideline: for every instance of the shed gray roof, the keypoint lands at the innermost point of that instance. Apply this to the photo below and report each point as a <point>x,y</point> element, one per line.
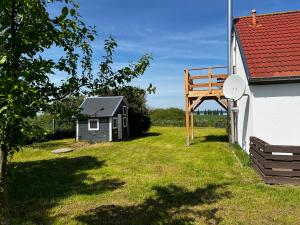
<point>100,106</point>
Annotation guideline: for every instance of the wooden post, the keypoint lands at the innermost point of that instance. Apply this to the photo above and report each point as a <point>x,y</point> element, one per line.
<point>209,80</point>
<point>192,123</point>
<point>187,121</point>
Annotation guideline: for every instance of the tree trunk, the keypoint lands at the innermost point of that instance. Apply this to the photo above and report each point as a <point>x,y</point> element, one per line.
<point>3,164</point>
<point>4,211</point>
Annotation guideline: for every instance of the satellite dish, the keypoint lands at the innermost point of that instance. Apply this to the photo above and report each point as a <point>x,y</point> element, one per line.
<point>234,87</point>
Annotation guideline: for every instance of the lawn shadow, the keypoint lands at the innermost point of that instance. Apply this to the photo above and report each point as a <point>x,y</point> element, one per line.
<point>171,205</point>
<point>49,145</point>
<point>215,138</point>
<point>37,186</point>
<point>148,134</point>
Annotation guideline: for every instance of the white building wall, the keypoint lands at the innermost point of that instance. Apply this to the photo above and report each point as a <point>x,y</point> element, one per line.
<point>277,113</point>
<point>269,112</point>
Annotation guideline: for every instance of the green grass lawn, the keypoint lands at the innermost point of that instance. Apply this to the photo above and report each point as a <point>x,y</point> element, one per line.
<point>147,181</point>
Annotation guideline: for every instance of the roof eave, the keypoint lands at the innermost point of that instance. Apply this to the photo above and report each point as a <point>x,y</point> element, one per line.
<point>274,80</point>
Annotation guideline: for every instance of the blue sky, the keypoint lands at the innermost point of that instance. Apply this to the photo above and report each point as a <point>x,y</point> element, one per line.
<point>178,33</point>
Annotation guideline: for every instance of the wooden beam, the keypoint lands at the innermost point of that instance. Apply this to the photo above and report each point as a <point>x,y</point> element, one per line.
<point>224,76</point>
<point>211,84</point>
<point>186,81</point>
<point>209,80</point>
<point>194,77</point>
<point>206,68</point>
<point>203,93</point>
<point>187,122</point>
<point>199,85</point>
<point>192,123</point>
<point>196,103</point>
<point>222,103</point>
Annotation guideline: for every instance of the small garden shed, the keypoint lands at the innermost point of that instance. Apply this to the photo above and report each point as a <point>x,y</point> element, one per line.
<point>103,119</point>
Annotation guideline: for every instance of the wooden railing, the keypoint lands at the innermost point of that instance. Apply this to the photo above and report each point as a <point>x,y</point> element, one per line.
<point>277,164</point>
<point>204,82</point>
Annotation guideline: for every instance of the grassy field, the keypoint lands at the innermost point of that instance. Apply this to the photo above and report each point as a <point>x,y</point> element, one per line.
<point>147,181</point>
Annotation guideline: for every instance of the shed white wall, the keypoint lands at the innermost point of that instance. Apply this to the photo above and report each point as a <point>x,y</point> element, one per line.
<point>269,112</point>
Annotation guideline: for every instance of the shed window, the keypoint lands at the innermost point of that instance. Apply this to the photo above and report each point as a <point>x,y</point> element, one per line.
<point>124,110</point>
<point>93,124</point>
<point>124,121</point>
<point>115,122</point>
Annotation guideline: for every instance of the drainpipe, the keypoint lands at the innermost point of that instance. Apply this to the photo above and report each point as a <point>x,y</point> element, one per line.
<point>230,114</point>
<point>229,36</point>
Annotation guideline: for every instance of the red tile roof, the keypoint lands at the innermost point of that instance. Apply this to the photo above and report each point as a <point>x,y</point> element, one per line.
<point>272,48</point>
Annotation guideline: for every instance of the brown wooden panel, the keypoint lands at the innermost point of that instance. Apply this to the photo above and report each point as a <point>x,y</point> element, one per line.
<point>260,172</point>
<point>257,163</point>
<point>281,164</point>
<point>283,157</point>
<point>255,139</point>
<point>281,180</point>
<point>257,150</point>
<point>269,172</point>
<point>258,157</point>
<point>283,148</point>
<point>258,143</point>
<point>275,169</point>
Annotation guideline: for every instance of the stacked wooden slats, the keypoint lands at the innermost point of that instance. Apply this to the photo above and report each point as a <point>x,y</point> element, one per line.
<point>277,164</point>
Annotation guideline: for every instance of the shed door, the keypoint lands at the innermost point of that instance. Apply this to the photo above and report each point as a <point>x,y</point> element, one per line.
<point>120,126</point>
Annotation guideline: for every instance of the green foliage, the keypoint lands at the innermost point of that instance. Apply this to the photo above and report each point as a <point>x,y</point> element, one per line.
<point>66,109</point>
<point>108,80</point>
<point>167,114</point>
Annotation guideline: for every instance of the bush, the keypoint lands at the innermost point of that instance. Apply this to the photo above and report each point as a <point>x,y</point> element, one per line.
<point>58,135</point>
<point>139,123</point>
<point>170,114</point>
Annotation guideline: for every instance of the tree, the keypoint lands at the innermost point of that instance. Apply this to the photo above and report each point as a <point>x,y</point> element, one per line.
<point>27,31</point>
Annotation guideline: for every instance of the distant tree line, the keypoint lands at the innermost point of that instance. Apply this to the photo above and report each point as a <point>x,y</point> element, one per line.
<point>176,117</point>
<point>211,112</point>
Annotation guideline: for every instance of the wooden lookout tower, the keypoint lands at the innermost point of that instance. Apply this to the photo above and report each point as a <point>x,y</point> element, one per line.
<point>199,88</point>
